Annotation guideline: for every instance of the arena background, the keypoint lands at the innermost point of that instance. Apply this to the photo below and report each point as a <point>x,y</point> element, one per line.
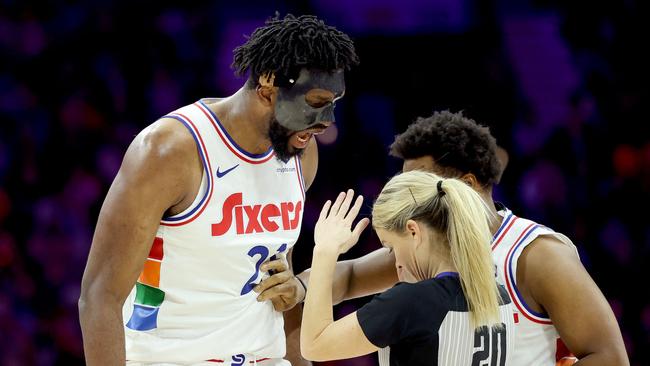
<point>561,85</point>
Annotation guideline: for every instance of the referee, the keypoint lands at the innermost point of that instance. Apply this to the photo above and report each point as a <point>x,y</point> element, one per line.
<point>447,308</point>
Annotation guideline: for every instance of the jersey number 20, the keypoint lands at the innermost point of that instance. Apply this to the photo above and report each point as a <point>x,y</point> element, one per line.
<point>490,341</point>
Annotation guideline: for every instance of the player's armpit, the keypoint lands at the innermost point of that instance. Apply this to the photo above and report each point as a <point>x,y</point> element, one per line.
<point>557,280</point>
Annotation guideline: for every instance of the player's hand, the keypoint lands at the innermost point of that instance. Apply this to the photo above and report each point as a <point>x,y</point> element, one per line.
<point>282,288</point>
<point>334,227</point>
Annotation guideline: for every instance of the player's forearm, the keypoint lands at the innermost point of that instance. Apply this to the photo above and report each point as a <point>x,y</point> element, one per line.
<point>292,320</point>
<point>371,274</point>
<point>103,332</point>
<point>318,312</point>
<point>340,281</point>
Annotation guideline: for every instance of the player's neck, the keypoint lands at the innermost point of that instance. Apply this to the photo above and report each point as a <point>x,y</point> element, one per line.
<point>244,122</point>
<point>495,219</point>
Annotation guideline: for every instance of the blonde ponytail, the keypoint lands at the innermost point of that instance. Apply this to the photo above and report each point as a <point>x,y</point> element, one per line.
<point>469,240</point>
<point>449,206</point>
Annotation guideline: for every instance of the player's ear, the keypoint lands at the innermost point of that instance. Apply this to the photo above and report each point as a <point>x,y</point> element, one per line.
<point>470,180</point>
<point>266,95</point>
<point>265,90</point>
<point>502,156</point>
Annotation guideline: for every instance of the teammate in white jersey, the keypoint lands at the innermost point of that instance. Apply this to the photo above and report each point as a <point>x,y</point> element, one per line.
<point>205,200</point>
<point>554,295</point>
<point>447,310</point>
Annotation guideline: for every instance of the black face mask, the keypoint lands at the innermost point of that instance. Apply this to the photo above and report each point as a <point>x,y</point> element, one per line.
<point>292,110</point>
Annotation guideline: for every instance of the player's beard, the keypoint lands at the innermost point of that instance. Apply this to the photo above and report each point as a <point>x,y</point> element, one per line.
<point>279,136</point>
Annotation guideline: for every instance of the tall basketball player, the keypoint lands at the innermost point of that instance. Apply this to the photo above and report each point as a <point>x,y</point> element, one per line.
<point>554,295</point>
<point>204,196</point>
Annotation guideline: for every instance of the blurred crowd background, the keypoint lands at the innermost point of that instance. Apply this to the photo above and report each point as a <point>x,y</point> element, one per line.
<point>562,86</point>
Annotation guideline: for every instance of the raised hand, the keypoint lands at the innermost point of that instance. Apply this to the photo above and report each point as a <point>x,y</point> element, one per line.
<point>333,229</point>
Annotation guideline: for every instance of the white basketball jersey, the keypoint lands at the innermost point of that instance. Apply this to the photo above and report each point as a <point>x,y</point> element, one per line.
<point>537,341</point>
<point>194,301</point>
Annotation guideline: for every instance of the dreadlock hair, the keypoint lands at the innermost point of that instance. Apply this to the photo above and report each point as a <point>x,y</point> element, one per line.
<point>284,46</point>
<point>456,143</point>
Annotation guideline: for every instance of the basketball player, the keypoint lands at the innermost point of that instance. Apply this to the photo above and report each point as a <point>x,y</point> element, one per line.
<point>204,196</point>
<point>554,295</point>
<point>446,310</point>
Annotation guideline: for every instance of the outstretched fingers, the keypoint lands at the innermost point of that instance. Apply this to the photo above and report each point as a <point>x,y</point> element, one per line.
<point>325,210</point>
<point>336,206</point>
<point>345,206</point>
<point>354,211</point>
<point>359,228</point>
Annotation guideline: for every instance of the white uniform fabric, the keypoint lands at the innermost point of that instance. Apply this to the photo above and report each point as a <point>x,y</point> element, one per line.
<point>233,361</point>
<point>536,339</point>
<point>194,300</point>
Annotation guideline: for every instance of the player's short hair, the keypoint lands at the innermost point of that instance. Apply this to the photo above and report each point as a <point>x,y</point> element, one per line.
<point>456,143</point>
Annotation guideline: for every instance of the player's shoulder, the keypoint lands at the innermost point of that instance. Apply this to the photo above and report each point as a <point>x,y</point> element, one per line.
<point>527,234</point>
<point>163,150</point>
<point>540,260</point>
<point>545,248</point>
<point>166,140</point>
<point>168,135</point>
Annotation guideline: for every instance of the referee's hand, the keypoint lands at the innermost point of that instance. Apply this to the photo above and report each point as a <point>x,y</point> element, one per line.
<point>333,231</point>
<point>282,288</point>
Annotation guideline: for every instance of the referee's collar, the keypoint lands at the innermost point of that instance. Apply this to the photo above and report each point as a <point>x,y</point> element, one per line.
<point>446,274</point>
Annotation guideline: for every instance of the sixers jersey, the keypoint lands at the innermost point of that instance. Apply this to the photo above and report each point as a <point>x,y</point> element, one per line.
<point>537,342</point>
<point>193,301</point>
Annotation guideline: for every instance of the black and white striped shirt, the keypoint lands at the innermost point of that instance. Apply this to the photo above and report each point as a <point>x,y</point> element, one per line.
<point>427,323</point>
